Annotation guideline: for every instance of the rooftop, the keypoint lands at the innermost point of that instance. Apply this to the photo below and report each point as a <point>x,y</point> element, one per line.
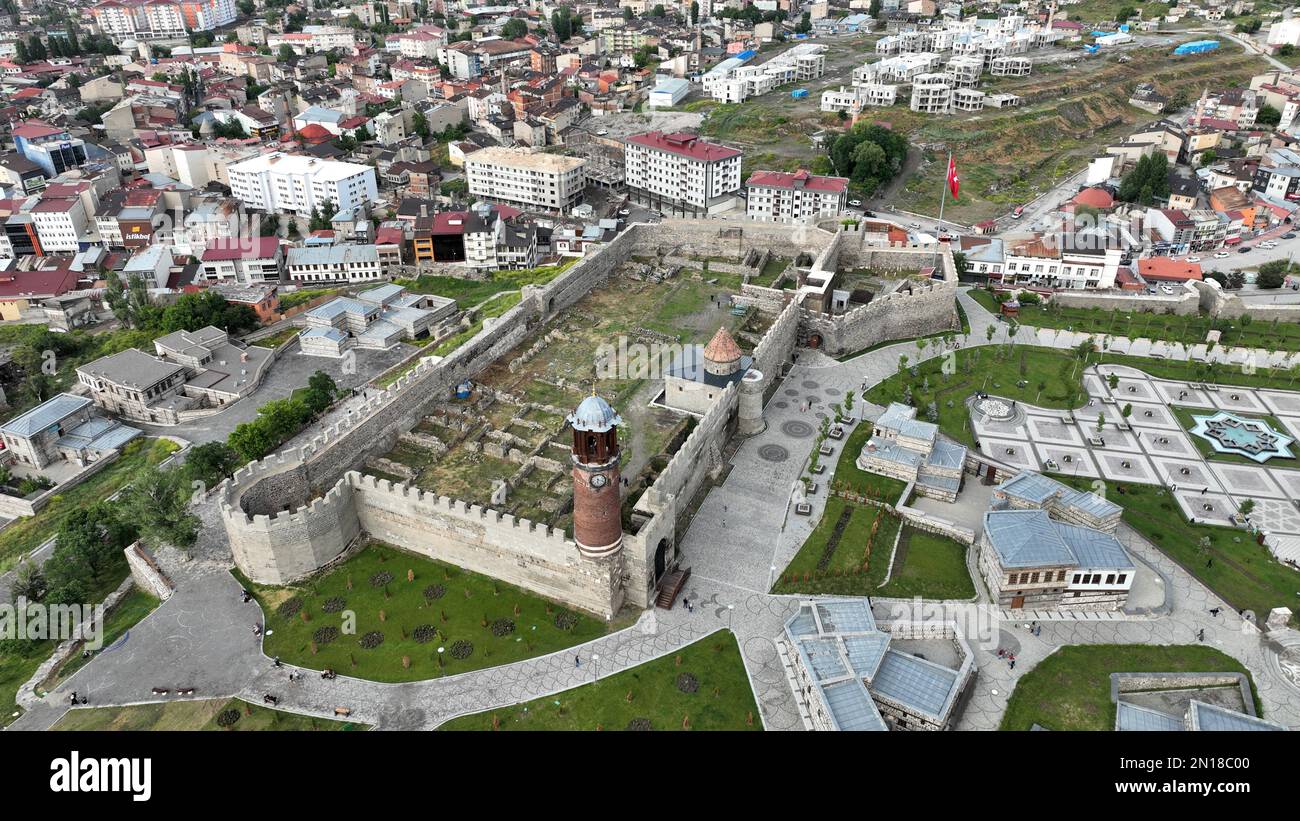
<point>684,144</point>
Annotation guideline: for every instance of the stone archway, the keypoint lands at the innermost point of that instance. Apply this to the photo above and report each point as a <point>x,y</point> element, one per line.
<point>815,341</point>
<point>661,558</point>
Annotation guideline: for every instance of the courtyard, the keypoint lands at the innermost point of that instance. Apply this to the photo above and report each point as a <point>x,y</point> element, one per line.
<point>505,445</point>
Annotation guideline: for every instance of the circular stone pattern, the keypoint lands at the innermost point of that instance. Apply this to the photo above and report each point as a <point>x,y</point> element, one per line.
<point>832,392</point>
<point>810,385</point>
<point>797,429</point>
<point>790,392</point>
<point>782,404</point>
<point>773,453</point>
<point>993,408</point>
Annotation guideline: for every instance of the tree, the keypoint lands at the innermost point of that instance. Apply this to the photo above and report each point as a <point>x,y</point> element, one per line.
<point>1272,274</point>
<point>1268,115</point>
<point>514,29</point>
<point>21,55</point>
<point>804,25</point>
<point>627,13</point>
<point>29,582</point>
<point>36,48</point>
<point>212,462</point>
<point>695,12</point>
<point>157,503</point>
<point>286,54</point>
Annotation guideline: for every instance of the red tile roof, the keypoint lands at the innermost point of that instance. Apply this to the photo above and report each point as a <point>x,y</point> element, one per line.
<point>800,179</point>
<point>686,145</point>
<point>41,283</point>
<point>1094,198</point>
<point>1171,270</point>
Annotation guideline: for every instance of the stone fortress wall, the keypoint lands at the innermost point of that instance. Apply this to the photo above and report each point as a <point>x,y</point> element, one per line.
<point>292,513</point>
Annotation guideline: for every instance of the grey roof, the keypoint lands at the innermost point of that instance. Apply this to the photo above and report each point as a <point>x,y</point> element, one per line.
<point>689,366</point>
<point>100,435</point>
<point>1131,718</point>
<point>916,682</point>
<point>342,305</point>
<point>48,413</point>
<point>947,454</point>
<point>132,368</point>
<point>333,254</point>
<point>851,706</point>
<point>1026,538</point>
<point>1037,488</point>
<point>902,418</point>
<point>382,294</point>
<point>329,333</point>
<point>1211,717</point>
<point>1092,548</point>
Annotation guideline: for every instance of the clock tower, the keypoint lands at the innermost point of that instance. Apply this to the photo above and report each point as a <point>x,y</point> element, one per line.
<point>597,500</point>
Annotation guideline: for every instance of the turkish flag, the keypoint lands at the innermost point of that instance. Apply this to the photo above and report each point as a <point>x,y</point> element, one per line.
<point>954,184</point>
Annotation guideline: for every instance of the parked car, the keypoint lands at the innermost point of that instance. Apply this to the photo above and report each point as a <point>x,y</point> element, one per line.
<point>855,203</point>
<point>1221,255</point>
<point>1020,209</point>
<point>914,225</point>
<point>623,212</point>
<point>1289,235</point>
<point>1243,250</point>
<point>1193,259</point>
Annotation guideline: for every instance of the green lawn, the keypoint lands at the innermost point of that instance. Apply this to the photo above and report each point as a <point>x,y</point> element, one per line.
<point>471,292</point>
<point>1243,572</point>
<point>853,563</point>
<point>1185,418</point>
<point>495,308</point>
<point>129,612</point>
<point>929,566</point>
<point>27,534</point>
<point>194,715</point>
<point>442,607</point>
<point>1187,330</point>
<point>1050,379</point>
<point>722,697</point>
<point>1070,689</point>
<point>302,296</point>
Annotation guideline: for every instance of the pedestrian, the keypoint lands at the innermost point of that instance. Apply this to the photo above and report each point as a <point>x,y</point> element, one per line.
<point>577,662</point>
<point>1200,634</point>
<point>74,698</point>
<point>686,602</point>
<point>1209,562</point>
<point>1038,631</point>
<point>1214,611</point>
<point>1013,662</point>
<point>1203,492</point>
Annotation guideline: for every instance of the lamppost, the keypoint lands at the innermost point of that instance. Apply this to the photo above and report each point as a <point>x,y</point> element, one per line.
<point>730,608</point>
<point>595,664</point>
<point>440,649</point>
<point>771,576</point>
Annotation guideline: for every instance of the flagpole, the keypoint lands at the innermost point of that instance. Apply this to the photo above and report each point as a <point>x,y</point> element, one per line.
<point>947,171</point>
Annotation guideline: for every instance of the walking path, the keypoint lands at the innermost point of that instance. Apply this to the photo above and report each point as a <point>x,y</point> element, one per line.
<point>202,636</point>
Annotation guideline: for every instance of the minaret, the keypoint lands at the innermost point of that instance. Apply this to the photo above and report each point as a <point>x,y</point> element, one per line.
<point>597,501</point>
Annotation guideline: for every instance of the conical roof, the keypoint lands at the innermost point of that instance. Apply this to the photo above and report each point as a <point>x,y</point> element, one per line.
<point>722,348</point>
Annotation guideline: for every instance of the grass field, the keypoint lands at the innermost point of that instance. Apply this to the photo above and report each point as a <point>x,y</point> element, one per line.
<point>929,566</point>
<point>27,534</point>
<point>650,692</point>
<point>1187,330</point>
<point>194,715</point>
<point>442,606</point>
<point>1243,572</point>
<point>1070,689</point>
<point>471,292</point>
<point>129,612</point>
<point>850,477</point>
<point>846,554</point>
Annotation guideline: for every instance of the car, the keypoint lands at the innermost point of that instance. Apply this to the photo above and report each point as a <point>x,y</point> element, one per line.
<point>914,225</point>
<point>1289,235</point>
<point>1193,259</point>
<point>1166,289</point>
<point>867,213</point>
<point>855,203</point>
<point>1243,250</point>
<point>1221,255</point>
<point>1020,209</point>
<point>602,133</point>
<point>623,212</point>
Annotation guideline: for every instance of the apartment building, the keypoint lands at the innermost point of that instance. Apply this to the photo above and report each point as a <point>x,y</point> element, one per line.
<point>60,224</point>
<point>528,179</point>
<point>279,182</point>
<point>777,196</point>
<point>932,94</point>
<point>148,19</point>
<point>243,261</point>
<point>681,170</point>
<point>334,263</point>
<point>853,100</point>
<point>1034,262</point>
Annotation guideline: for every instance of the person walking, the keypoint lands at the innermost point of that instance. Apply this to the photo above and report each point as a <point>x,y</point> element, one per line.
<point>577,662</point>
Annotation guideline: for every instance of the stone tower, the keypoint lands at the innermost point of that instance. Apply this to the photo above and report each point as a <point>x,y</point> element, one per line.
<point>722,354</point>
<point>597,502</point>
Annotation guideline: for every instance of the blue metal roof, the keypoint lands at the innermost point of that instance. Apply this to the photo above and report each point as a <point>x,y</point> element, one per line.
<point>1026,538</point>
<point>852,708</point>
<point>915,682</point>
<point>1211,717</point>
<point>1132,718</point>
<point>44,415</point>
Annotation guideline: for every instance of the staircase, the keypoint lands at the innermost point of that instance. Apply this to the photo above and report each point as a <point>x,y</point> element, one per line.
<point>671,586</point>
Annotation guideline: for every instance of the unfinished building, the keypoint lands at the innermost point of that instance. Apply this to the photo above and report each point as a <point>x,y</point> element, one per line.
<point>1011,67</point>
<point>932,94</point>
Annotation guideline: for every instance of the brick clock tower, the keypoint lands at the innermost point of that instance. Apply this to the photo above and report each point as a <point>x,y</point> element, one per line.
<point>597,501</point>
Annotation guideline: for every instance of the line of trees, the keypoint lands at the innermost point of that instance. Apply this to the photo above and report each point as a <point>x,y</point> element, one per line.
<point>869,155</point>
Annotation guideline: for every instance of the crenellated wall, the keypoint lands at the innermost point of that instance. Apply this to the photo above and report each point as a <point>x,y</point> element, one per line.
<point>295,512</point>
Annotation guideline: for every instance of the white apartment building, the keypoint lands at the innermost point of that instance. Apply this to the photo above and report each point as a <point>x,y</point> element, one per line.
<point>682,170</point>
<point>532,180</point>
<point>733,82</point>
<point>60,224</point>
<point>286,182</point>
<point>334,263</point>
<point>778,196</point>
<point>161,18</point>
<point>314,38</point>
<point>1033,262</point>
<point>853,100</point>
<point>965,70</point>
<point>932,94</point>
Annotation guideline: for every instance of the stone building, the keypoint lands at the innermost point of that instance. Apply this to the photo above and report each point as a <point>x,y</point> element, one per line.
<point>699,376</point>
<point>1036,552</point>
<point>846,676</point>
<point>63,428</point>
<point>913,451</point>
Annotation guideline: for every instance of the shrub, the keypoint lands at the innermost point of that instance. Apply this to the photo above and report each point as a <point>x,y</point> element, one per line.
<point>289,608</point>
<point>502,627</point>
<point>371,640</point>
<point>687,683</point>
<point>424,634</point>
<point>461,649</point>
<point>227,718</point>
<point>381,579</point>
<point>566,620</point>
<point>325,635</point>
<point>334,604</point>
<point>640,724</point>
<point>434,592</point>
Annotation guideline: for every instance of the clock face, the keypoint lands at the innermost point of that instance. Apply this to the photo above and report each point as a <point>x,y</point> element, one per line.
<point>599,480</point>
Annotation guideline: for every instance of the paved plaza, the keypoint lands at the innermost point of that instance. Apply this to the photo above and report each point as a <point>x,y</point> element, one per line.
<point>744,530</point>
